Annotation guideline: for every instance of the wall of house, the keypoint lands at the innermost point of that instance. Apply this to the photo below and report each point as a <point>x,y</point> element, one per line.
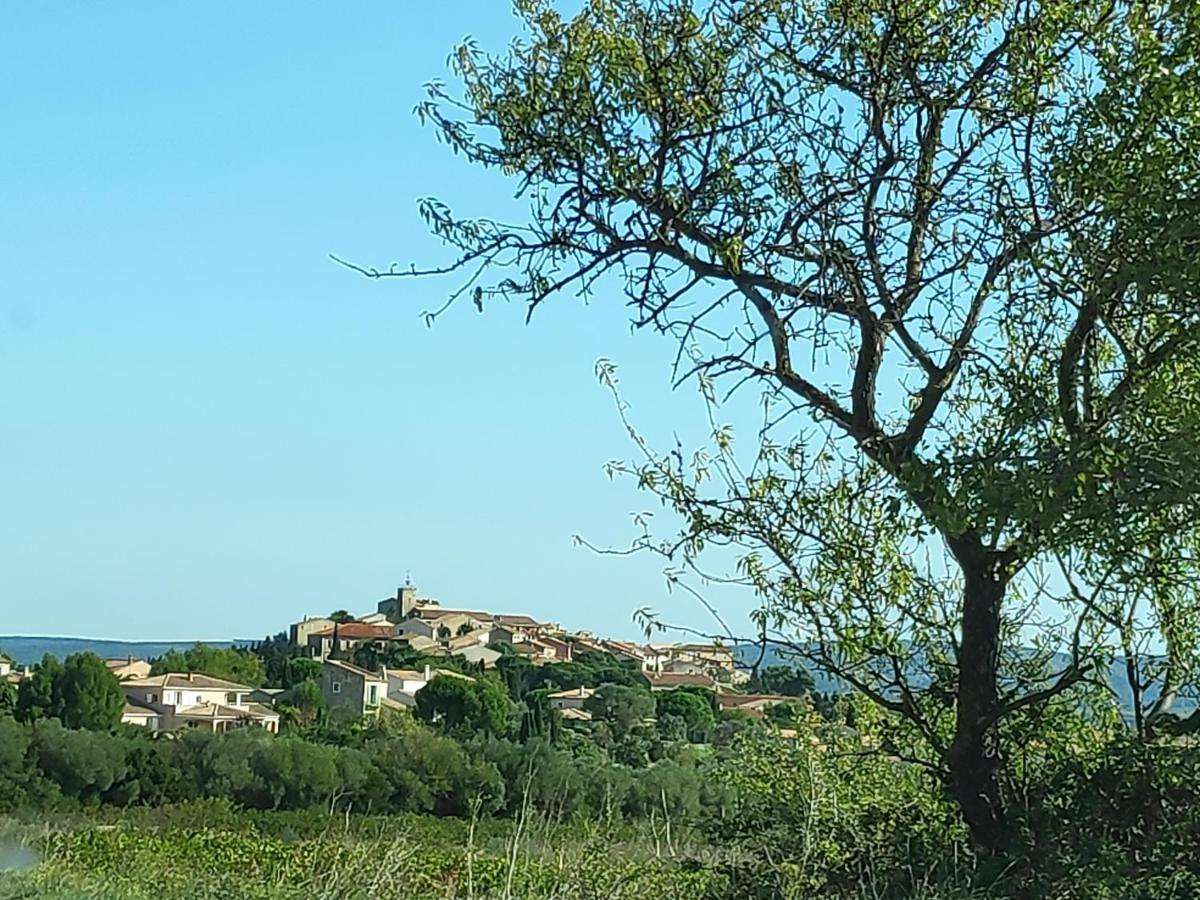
<point>344,693</point>
<point>301,631</point>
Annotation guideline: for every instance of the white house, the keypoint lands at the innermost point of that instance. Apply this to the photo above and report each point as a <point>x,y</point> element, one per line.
<point>191,700</point>
<point>572,699</point>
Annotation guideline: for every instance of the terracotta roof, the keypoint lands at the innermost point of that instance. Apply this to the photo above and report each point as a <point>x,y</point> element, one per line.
<point>357,631</point>
<point>405,674</point>
<point>357,670</point>
<point>185,680</point>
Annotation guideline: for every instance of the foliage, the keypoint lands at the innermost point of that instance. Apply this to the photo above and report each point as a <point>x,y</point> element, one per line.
<point>236,664</point>
<point>36,698</point>
<point>954,245</point>
<point>791,681</point>
<point>89,695</point>
<point>467,707</point>
<point>621,707</point>
<point>694,710</point>
<point>82,693</point>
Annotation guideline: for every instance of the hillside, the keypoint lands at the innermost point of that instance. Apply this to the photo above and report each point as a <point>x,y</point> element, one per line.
<point>26,650</point>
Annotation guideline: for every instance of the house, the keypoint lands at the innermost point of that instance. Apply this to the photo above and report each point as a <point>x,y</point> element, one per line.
<point>535,650</point>
<point>351,692</point>
<point>129,667</point>
<point>571,714</point>
<point>485,656</point>
<point>6,666</point>
<point>665,681</point>
<point>572,699</point>
<point>753,705</point>
<point>141,715</point>
<point>375,619</point>
<point>562,649</point>
<point>441,624</point>
<point>301,631</point>
<point>267,696</point>
<point>344,638</point>
<point>192,700</point>
<point>625,650</point>
<point>684,667</point>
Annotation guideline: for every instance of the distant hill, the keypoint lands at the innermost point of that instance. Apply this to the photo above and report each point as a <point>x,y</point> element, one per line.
<point>748,655</point>
<point>29,650</point>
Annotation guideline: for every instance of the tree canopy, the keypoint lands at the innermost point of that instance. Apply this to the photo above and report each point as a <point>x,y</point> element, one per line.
<point>953,245</point>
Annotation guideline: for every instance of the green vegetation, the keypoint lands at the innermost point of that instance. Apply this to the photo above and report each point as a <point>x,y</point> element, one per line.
<point>239,665</point>
<point>951,249</point>
<point>81,693</point>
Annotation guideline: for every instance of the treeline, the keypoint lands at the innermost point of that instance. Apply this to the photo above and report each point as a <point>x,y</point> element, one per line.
<point>489,744</point>
<point>393,766</point>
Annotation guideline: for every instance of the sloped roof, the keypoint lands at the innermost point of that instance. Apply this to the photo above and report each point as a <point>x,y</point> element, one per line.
<point>356,670</point>
<point>185,680</point>
<point>356,631</point>
<point>521,621</point>
<point>574,693</point>
<point>136,709</point>
<point>732,701</point>
<point>221,711</point>
<point>680,679</point>
<point>578,715</point>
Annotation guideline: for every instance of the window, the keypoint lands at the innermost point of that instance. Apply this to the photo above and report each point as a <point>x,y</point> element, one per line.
<point>337,687</point>
<point>373,695</point>
<point>152,698</point>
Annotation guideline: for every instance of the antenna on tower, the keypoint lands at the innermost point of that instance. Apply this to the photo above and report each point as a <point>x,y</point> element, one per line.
<point>408,577</point>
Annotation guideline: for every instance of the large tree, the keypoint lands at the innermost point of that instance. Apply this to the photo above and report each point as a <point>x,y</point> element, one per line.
<point>954,243</point>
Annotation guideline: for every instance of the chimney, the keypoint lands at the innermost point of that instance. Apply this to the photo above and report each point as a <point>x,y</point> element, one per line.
<point>191,676</point>
<point>428,672</point>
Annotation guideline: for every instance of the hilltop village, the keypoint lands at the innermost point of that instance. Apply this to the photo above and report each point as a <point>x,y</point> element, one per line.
<point>384,658</point>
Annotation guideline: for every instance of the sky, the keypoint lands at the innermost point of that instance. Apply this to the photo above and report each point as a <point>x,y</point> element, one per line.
<point>207,428</point>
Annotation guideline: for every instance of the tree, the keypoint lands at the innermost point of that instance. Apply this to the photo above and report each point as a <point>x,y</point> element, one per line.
<point>695,711</point>
<point>230,663</point>
<point>341,616</point>
<point>305,702</point>
<point>621,707</point>
<point>464,706</point>
<point>539,719</point>
<point>952,244</point>
<point>37,697</point>
<point>89,695</point>
<point>301,669</point>
<point>780,679</point>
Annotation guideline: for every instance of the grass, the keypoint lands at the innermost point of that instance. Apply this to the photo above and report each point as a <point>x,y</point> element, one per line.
<point>156,858</point>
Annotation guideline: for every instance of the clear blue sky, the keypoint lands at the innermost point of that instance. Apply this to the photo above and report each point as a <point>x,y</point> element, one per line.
<point>208,429</point>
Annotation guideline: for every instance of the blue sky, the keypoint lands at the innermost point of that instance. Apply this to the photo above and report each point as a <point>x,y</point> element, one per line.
<point>207,428</point>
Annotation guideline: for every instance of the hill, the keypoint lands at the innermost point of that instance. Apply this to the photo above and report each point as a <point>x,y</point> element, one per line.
<point>26,650</point>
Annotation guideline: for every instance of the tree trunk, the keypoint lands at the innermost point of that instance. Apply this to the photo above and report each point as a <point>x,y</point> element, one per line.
<point>974,757</point>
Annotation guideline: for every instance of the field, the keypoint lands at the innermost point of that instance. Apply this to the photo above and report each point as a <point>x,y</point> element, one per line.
<point>160,855</point>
